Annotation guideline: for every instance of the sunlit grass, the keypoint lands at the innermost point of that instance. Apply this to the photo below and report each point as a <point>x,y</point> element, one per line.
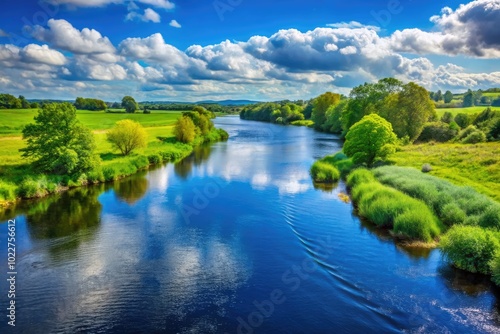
<point>476,165</point>
<point>470,110</point>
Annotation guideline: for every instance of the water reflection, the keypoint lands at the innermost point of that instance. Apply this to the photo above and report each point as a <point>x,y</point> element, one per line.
<point>200,154</point>
<point>132,189</point>
<point>73,217</point>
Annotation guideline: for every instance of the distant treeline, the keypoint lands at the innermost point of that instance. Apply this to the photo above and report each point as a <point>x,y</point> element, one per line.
<point>8,101</point>
<point>467,99</point>
<point>90,104</point>
<point>408,107</point>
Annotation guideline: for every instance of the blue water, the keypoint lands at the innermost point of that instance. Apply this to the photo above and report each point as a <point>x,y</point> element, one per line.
<point>234,239</point>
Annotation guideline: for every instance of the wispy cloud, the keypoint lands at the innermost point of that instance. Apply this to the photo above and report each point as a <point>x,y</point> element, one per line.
<point>352,25</point>
<point>3,33</point>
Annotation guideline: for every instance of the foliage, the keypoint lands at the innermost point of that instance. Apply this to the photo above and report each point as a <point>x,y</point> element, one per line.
<point>408,111</point>
<point>448,97</point>
<point>470,248</point>
<point>90,104</point>
<point>451,203</point>
<point>58,142</point>
<point>463,120</point>
<point>495,269</point>
<point>129,104</point>
<point>388,207</point>
<point>8,101</point>
<point>333,123</point>
<point>475,137</point>
<point>468,100</point>
<point>320,106</point>
<point>185,130</point>
<point>447,117</point>
<point>324,172</point>
<point>370,139</point>
<point>127,136</point>
<point>307,123</point>
<point>437,131</point>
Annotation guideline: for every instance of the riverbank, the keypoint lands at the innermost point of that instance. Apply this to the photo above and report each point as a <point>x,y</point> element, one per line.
<point>18,180</point>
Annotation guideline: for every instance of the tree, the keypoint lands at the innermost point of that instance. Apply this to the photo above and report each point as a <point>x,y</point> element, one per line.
<point>468,100</point>
<point>129,104</point>
<point>438,96</point>
<point>408,111</point>
<point>58,142</point>
<point>127,136</point>
<point>34,105</point>
<point>496,102</point>
<point>24,103</point>
<point>8,101</point>
<point>463,120</point>
<point>321,105</point>
<point>185,130</point>
<point>448,97</point>
<point>447,117</point>
<point>369,139</point>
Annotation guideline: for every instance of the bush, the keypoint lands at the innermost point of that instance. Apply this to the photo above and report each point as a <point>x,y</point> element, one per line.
<point>324,172</point>
<point>109,173</point>
<point>491,218</point>
<point>155,159</point>
<point>495,269</point>
<point>7,191</point>
<point>96,176</point>
<point>466,132</point>
<point>470,248</point>
<point>417,223</point>
<point>452,214</point>
<point>30,188</point>
<point>463,120</point>
<point>437,131</point>
<point>475,137</point>
<point>360,176</point>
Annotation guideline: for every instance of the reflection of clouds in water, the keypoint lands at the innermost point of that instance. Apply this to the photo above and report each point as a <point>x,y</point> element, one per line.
<point>260,181</point>
<point>158,179</point>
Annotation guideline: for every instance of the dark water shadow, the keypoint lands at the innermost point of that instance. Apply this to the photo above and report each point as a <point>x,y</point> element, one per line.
<point>133,188</point>
<point>200,154</point>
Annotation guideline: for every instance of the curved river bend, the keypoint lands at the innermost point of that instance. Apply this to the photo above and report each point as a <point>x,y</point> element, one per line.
<point>234,239</point>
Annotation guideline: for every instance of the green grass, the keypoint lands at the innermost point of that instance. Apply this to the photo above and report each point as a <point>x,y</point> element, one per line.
<point>324,172</point>
<point>470,110</point>
<point>474,165</point>
<point>13,120</point>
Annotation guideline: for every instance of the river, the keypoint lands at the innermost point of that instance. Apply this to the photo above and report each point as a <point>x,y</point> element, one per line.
<point>234,239</point>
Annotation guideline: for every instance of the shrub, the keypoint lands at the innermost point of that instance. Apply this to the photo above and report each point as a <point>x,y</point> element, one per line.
<point>7,191</point>
<point>463,120</point>
<point>475,137</point>
<point>426,168</point>
<point>417,223</point>
<point>324,172</point>
<point>470,248</point>
<point>452,214</point>
<point>96,176</point>
<point>491,218</point>
<point>437,131</point>
<point>155,159</point>
<point>359,176</point>
<point>466,132</point>
<point>30,188</point>
<point>109,173</point>
<point>495,269</point>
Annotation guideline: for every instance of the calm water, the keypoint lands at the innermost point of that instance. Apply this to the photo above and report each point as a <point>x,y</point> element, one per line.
<point>234,239</point>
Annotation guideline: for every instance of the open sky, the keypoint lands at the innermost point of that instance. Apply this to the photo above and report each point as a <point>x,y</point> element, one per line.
<point>190,50</point>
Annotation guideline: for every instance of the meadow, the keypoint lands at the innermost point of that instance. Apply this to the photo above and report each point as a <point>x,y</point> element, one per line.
<point>475,165</point>
<point>469,110</point>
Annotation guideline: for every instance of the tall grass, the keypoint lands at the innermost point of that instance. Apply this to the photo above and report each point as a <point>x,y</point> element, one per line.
<point>385,206</point>
<point>452,204</point>
<point>324,172</point>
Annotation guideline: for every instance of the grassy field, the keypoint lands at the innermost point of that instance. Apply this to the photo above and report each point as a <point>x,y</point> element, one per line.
<point>470,110</point>
<point>13,120</point>
<point>475,165</point>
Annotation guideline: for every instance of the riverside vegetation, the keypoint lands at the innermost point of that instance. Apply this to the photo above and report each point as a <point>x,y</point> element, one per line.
<point>60,151</point>
<point>394,123</point>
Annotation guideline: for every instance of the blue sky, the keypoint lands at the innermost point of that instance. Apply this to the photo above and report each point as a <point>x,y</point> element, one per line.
<point>240,49</point>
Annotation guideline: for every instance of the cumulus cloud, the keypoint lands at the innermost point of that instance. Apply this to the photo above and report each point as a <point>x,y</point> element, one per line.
<point>16,57</point>
<point>148,16</point>
<point>165,4</point>
<point>472,30</point>
<point>175,24</point>
<point>61,34</point>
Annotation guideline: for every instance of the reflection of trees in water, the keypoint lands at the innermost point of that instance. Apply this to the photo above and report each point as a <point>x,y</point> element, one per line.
<point>132,188</point>
<point>200,154</point>
<point>464,281</point>
<point>325,187</point>
<point>73,215</point>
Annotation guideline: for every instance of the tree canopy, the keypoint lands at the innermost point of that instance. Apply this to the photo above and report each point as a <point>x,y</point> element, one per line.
<point>58,142</point>
<point>127,136</point>
<point>129,104</point>
<point>320,106</point>
<point>370,139</point>
<point>90,104</point>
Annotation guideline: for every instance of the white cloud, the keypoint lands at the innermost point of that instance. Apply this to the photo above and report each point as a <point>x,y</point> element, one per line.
<point>148,16</point>
<point>352,25</point>
<point>165,4</point>
<point>61,34</point>
<point>175,24</point>
<point>42,54</point>
<point>472,30</point>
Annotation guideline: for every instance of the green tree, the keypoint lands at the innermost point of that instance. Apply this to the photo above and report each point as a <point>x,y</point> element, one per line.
<point>370,139</point>
<point>129,104</point>
<point>447,117</point>
<point>333,122</point>
<point>8,101</point>
<point>185,130</point>
<point>127,136</point>
<point>34,105</point>
<point>448,97</point>
<point>58,142</point>
<point>463,120</point>
<point>438,96</point>
<point>409,110</point>
<point>468,100</point>
<point>321,105</point>
<point>24,103</point>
